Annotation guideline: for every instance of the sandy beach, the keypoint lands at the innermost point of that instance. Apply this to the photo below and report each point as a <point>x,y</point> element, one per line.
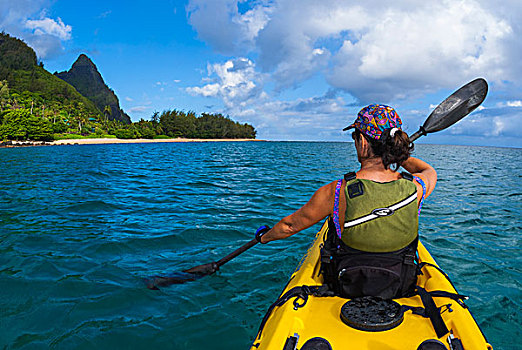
<point>114,140</point>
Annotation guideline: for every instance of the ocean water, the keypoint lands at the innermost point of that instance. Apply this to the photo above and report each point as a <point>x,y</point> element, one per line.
<point>80,226</point>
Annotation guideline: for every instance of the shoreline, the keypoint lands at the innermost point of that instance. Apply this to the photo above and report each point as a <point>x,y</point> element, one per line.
<point>103,141</point>
<point>114,140</point>
<point>100,141</point>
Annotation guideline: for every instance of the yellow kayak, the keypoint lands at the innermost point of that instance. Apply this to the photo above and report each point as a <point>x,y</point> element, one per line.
<point>308,318</point>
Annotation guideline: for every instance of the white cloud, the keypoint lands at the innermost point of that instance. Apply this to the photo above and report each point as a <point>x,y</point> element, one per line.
<point>140,109</point>
<point>45,45</point>
<point>490,122</point>
<point>438,44</point>
<point>374,50</point>
<point>105,14</point>
<point>220,23</point>
<point>499,126</point>
<point>240,87</point>
<point>209,90</point>
<point>14,12</point>
<point>517,103</point>
<point>161,85</point>
<point>27,19</point>
<point>236,82</point>
<point>390,52</point>
<point>51,27</point>
<point>511,103</point>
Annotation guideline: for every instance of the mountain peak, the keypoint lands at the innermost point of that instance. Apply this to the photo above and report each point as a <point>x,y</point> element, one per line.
<point>83,60</point>
<point>85,78</point>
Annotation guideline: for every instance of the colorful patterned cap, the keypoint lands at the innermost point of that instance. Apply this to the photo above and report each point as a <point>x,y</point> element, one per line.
<point>372,120</point>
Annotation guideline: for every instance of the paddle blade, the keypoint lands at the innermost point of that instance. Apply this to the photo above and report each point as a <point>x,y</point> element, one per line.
<point>457,106</point>
<point>155,282</point>
<point>197,271</point>
<point>191,274</point>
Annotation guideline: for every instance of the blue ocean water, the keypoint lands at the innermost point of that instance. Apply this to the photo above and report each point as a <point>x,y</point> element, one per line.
<point>80,226</point>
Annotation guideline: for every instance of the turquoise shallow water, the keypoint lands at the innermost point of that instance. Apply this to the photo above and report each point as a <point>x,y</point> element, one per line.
<point>81,225</point>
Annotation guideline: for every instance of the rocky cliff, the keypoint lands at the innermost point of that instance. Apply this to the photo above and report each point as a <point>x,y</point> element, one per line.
<point>85,78</point>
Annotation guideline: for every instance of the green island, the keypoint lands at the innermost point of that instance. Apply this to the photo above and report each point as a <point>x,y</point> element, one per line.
<point>36,105</point>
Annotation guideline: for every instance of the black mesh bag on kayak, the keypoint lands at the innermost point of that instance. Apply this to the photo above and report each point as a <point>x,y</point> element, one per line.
<point>352,273</point>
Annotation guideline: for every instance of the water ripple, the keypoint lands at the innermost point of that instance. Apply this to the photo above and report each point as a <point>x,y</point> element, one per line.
<point>81,226</point>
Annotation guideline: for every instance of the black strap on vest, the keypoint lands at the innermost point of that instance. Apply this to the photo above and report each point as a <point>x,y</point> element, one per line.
<point>350,176</point>
<point>407,176</point>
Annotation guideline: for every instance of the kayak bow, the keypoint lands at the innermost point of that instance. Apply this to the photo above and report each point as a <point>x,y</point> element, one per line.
<point>309,317</point>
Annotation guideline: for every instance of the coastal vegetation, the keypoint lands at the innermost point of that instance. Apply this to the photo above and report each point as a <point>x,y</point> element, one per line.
<point>21,124</point>
<point>37,105</point>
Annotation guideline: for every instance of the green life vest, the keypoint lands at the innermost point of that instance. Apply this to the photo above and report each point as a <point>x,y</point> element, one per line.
<point>380,217</point>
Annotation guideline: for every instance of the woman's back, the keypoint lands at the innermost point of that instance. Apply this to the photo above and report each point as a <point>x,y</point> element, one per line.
<point>379,216</point>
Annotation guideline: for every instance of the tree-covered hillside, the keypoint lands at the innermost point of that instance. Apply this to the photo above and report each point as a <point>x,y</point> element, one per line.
<point>28,85</point>
<point>37,105</point>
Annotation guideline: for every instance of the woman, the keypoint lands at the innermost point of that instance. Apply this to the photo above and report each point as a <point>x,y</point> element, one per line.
<point>380,206</point>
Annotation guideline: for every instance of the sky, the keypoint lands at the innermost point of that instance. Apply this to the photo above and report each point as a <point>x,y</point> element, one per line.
<point>295,70</point>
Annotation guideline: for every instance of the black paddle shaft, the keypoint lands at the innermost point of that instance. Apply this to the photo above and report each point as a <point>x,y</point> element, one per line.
<point>195,272</point>
<point>458,105</point>
<point>210,268</point>
<point>236,252</point>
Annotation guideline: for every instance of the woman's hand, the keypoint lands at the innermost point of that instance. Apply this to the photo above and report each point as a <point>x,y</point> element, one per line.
<point>260,233</point>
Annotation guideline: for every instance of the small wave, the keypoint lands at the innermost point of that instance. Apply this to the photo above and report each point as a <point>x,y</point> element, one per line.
<point>70,277</point>
<point>95,206</point>
<point>110,218</point>
<point>97,173</point>
<point>471,222</point>
<point>11,271</point>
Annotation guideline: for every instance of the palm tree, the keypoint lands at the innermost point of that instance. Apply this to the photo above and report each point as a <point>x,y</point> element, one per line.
<point>107,111</point>
<point>4,94</point>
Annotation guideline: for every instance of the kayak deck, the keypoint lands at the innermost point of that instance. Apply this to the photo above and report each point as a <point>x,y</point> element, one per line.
<point>320,316</point>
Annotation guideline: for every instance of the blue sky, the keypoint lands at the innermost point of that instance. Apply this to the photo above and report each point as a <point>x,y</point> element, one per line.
<point>296,70</point>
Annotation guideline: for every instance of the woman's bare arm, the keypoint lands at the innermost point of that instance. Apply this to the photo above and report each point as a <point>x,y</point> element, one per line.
<point>423,170</point>
<point>316,209</point>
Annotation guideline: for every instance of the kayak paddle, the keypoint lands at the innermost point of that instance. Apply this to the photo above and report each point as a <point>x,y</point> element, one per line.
<point>195,272</point>
<point>448,112</point>
<point>458,105</point>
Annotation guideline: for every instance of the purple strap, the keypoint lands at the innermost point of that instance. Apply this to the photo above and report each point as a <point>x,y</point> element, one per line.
<point>336,208</point>
<point>419,180</point>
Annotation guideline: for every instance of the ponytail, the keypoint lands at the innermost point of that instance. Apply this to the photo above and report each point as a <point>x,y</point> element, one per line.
<point>393,147</point>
